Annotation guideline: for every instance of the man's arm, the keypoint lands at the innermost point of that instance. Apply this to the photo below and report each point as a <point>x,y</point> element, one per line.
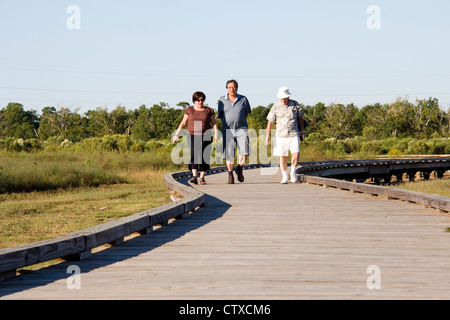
<point>248,109</point>
<point>220,108</point>
<point>271,118</point>
<point>268,132</point>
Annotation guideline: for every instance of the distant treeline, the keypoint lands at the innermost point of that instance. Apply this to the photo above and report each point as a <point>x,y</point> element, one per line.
<point>422,119</point>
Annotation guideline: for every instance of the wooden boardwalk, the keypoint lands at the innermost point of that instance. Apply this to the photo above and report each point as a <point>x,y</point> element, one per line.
<point>263,240</point>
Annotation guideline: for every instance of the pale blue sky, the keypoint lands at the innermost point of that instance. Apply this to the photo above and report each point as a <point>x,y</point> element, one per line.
<point>143,52</point>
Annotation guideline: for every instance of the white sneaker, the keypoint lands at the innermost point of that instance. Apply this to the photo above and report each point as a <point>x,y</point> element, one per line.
<point>293,177</point>
<point>285,178</point>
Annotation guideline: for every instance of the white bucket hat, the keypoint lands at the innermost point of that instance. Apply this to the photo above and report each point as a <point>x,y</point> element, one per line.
<point>283,93</point>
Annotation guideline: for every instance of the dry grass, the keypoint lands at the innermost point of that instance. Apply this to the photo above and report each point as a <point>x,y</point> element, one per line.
<point>27,217</point>
<point>30,217</point>
<point>433,186</point>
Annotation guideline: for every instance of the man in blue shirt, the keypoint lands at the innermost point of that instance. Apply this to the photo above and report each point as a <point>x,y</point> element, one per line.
<point>233,110</point>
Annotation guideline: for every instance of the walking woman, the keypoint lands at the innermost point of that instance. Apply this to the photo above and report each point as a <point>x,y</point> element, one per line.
<point>200,121</point>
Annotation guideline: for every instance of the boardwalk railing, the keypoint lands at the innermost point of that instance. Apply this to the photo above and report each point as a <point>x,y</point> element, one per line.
<point>79,245</point>
<point>428,200</point>
<point>333,174</point>
<point>381,170</point>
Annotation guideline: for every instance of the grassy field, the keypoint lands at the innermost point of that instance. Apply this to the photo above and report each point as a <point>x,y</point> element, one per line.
<point>433,186</point>
<point>76,191</point>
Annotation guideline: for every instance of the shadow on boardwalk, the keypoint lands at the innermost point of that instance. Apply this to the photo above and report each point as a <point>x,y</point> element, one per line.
<point>29,279</point>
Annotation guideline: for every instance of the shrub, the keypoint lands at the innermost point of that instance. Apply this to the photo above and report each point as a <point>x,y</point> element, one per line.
<point>402,145</point>
<point>124,142</point>
<point>417,147</point>
<point>153,145</point>
<point>387,144</point>
<point>33,144</point>
<point>352,145</point>
<point>437,146</point>
<point>12,145</point>
<point>314,137</point>
<point>373,147</point>
<point>108,143</point>
<point>52,143</point>
<point>138,146</point>
<point>447,149</point>
<point>394,152</point>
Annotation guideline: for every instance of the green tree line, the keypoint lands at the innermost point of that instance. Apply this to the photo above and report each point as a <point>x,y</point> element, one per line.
<point>156,122</point>
<point>423,119</point>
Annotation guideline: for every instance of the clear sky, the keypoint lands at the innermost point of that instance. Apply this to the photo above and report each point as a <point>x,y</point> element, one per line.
<point>139,52</point>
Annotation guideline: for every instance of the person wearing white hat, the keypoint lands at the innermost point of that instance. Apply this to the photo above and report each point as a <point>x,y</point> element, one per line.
<point>288,116</point>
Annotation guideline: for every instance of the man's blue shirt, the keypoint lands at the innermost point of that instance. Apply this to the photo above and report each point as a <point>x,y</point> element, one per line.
<point>233,115</point>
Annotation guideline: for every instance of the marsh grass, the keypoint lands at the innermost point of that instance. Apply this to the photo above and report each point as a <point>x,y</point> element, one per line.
<point>101,187</point>
<point>28,172</point>
<point>433,186</point>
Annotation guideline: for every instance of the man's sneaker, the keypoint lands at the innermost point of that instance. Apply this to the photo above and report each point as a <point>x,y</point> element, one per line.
<point>285,179</point>
<point>239,173</point>
<point>293,177</point>
<point>230,179</point>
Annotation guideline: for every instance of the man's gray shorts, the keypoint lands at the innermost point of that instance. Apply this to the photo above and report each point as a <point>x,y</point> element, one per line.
<point>233,138</point>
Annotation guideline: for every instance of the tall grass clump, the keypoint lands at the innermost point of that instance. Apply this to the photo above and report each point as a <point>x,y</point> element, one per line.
<point>316,147</point>
<point>432,186</point>
<point>24,172</point>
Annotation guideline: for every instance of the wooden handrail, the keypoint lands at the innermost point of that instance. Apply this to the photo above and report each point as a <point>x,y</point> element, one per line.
<point>428,200</point>
<point>331,173</point>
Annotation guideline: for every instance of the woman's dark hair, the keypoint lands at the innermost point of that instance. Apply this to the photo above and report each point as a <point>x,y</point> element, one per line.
<point>197,95</point>
<point>232,81</point>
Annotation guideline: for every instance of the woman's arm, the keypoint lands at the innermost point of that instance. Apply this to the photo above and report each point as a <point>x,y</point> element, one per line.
<point>180,127</point>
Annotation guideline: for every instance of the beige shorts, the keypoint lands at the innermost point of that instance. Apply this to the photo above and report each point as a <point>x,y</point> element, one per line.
<point>282,146</point>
